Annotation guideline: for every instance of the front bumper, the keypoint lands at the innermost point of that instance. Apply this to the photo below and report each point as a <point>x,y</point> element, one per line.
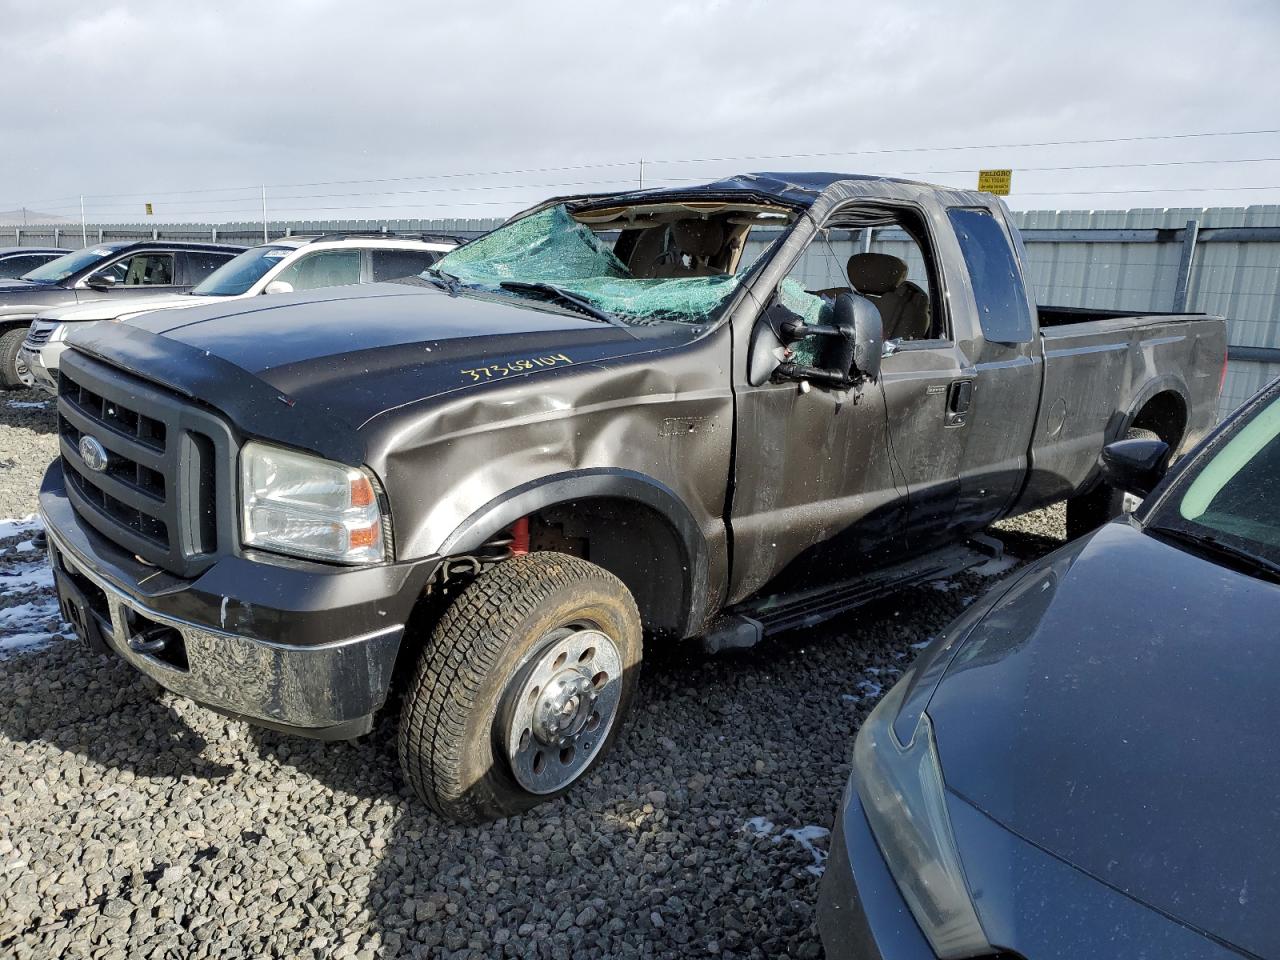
<point>42,363</point>
<point>294,646</point>
<point>861,914</point>
<point>1031,903</point>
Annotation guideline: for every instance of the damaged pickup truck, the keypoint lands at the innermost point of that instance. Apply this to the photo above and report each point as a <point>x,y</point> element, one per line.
<point>719,412</point>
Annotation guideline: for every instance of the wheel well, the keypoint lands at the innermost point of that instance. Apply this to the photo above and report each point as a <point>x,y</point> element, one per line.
<point>1166,415</point>
<point>632,541</point>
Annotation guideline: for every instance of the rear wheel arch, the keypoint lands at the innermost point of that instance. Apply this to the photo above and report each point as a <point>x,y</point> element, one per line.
<point>1165,414</point>
<point>1162,406</point>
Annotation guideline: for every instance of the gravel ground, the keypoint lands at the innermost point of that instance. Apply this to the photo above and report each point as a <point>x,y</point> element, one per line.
<point>141,825</point>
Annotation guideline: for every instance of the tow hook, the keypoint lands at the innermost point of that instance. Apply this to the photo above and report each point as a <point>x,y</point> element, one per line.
<point>149,641</point>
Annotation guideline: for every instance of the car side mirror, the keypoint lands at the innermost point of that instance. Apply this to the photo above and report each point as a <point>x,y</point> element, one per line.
<point>1134,466</point>
<point>279,286</point>
<point>101,281</point>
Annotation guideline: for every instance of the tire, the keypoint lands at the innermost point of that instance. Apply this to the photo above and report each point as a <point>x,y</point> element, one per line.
<point>11,365</point>
<point>538,658</point>
<point>1103,503</point>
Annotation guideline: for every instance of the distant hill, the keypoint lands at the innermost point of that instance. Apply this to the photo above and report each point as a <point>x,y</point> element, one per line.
<point>19,218</point>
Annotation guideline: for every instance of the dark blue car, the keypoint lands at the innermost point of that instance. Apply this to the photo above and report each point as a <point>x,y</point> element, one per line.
<point>1087,764</point>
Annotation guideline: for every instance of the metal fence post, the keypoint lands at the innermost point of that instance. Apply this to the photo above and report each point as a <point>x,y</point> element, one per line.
<point>1183,283</point>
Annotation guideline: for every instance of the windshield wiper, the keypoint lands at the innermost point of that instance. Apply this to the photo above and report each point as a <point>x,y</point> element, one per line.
<point>578,303</point>
<point>445,281</point>
<point>1212,547</point>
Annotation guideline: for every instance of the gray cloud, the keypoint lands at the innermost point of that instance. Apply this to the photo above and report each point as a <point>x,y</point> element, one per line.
<point>147,99</point>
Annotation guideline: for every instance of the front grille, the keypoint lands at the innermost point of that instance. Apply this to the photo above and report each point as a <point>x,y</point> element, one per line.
<point>39,335</point>
<point>166,466</point>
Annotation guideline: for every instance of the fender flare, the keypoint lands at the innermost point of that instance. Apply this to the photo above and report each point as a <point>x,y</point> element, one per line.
<point>504,510</point>
<point>13,321</point>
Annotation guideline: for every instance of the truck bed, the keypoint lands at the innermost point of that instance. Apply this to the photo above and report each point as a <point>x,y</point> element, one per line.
<point>1062,316</point>
<point>1100,366</point>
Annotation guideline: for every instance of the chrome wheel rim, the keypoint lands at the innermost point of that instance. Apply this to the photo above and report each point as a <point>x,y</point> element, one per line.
<point>563,708</point>
<point>24,374</point>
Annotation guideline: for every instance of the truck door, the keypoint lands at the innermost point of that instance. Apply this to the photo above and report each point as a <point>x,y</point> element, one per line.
<point>811,463</point>
<point>1007,362</point>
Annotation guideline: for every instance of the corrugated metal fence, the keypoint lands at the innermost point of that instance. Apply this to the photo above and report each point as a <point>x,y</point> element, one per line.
<point>1220,260</point>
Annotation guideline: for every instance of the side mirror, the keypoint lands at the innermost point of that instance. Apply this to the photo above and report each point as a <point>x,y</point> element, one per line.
<point>1134,466</point>
<point>861,318</point>
<point>101,281</point>
<point>279,286</point>
<point>848,348</point>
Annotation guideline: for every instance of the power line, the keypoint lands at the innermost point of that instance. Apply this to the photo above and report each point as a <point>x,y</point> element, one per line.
<point>1146,138</point>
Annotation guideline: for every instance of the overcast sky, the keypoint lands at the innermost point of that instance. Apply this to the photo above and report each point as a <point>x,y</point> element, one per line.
<point>169,101</point>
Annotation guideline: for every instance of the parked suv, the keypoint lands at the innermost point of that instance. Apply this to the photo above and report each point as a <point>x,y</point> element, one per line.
<point>282,266</point>
<point>118,270</point>
<point>15,261</point>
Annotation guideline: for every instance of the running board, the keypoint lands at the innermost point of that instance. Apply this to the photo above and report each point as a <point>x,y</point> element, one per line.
<point>751,621</point>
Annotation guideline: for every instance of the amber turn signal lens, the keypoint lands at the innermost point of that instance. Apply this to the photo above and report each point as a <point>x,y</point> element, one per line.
<point>361,492</point>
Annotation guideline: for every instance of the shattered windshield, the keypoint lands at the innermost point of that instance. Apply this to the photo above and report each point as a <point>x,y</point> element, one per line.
<point>676,269</point>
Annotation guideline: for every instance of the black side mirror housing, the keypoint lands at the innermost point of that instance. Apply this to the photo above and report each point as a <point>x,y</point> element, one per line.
<point>859,314</point>
<point>852,344</point>
<point>101,281</point>
<point>1134,466</point>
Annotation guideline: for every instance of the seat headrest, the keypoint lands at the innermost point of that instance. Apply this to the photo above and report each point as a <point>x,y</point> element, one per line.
<point>876,273</point>
<point>698,238</point>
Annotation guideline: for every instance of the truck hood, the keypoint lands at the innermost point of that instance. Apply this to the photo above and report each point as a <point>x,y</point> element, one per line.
<point>345,355</point>
<point>1120,712</point>
<point>113,308</point>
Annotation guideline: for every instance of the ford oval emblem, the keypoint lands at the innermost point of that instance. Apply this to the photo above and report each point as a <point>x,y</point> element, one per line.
<point>93,453</point>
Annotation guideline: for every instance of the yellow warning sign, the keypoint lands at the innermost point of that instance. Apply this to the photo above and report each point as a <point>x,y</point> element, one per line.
<point>995,181</point>
<point>149,210</point>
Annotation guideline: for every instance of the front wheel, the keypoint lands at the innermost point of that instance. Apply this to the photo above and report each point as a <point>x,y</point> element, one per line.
<point>1103,503</point>
<point>13,369</point>
<point>521,688</point>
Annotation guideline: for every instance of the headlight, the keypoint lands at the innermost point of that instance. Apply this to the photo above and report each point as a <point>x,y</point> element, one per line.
<point>58,333</point>
<point>308,507</point>
<point>902,792</point>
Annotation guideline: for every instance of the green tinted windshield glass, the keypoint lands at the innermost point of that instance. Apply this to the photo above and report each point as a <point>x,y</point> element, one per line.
<point>550,247</point>
<point>1236,493</point>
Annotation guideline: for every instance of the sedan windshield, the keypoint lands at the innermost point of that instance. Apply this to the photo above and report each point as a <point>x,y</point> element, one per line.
<point>1232,500</point>
<point>641,267</point>
<point>236,276</point>
<point>55,271</point>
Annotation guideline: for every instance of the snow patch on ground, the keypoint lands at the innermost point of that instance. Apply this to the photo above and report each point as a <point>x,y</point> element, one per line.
<point>806,837</point>
<point>865,688</point>
<point>34,621</point>
<point>28,404</point>
<point>13,527</point>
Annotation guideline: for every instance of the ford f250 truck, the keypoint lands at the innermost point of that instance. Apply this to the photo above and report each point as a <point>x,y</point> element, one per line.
<point>615,421</point>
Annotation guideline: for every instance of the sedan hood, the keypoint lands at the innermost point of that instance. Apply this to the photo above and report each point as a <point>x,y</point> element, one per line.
<point>345,355</point>
<point>1119,708</point>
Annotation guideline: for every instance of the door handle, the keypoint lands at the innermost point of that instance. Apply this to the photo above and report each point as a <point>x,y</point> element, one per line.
<point>959,398</point>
